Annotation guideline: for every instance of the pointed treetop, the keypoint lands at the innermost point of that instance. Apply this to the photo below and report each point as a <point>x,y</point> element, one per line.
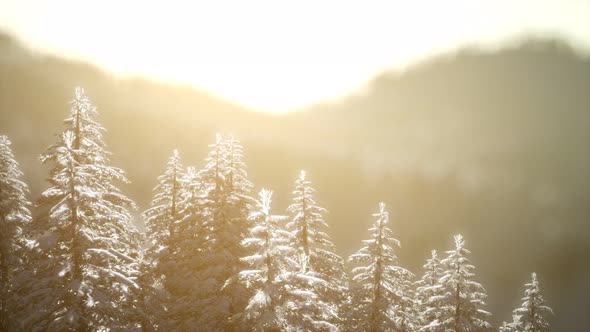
<point>303,185</point>
<point>265,200</point>
<point>13,192</point>
<point>174,159</point>
<point>459,242</point>
<point>81,102</point>
<point>532,314</point>
<point>79,91</point>
<point>174,165</point>
<point>383,215</point>
<point>9,165</point>
<point>301,175</point>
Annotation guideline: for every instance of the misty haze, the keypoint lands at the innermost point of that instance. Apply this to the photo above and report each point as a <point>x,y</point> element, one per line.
<point>447,191</point>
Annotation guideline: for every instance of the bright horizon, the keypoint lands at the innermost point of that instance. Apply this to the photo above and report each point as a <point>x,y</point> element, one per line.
<point>279,57</point>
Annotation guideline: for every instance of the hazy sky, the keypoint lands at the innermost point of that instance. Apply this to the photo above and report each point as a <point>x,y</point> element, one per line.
<point>279,55</point>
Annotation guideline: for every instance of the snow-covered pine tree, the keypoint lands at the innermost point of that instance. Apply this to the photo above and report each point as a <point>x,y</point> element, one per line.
<point>534,310</point>
<point>406,310</point>
<point>151,297</point>
<point>321,270</point>
<point>222,210</point>
<point>238,185</point>
<point>513,326</point>
<point>381,300</point>
<point>428,290</point>
<point>460,307</point>
<point>86,260</point>
<point>269,269</point>
<point>225,224</point>
<point>14,218</point>
<point>161,218</point>
<point>238,188</point>
<point>190,240</point>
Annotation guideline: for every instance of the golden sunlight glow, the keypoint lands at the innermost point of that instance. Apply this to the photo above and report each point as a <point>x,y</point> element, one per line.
<point>275,55</point>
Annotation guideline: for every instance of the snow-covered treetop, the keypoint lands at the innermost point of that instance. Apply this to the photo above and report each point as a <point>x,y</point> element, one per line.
<point>382,215</point>
<point>86,147</point>
<point>429,292</point>
<point>458,267</point>
<point>189,204</point>
<point>87,133</point>
<point>14,205</point>
<point>266,227</point>
<point>464,298</point>
<point>378,251</point>
<point>213,171</point>
<point>380,284</point>
<point>269,244</point>
<point>225,170</point>
<point>457,259</point>
<point>433,262</point>
<point>8,165</point>
<point>382,243</point>
<point>13,192</point>
<point>460,244</point>
<point>237,177</point>
<point>432,271</point>
<point>263,205</point>
<point>533,311</point>
<point>169,180</point>
<point>268,266</point>
<point>307,223</point>
<point>160,217</point>
<point>80,190</point>
<point>87,238</point>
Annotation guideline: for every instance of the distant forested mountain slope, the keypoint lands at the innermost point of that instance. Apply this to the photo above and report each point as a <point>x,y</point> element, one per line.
<point>495,145</point>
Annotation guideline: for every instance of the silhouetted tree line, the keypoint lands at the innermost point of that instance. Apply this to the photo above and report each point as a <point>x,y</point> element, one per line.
<point>213,258</point>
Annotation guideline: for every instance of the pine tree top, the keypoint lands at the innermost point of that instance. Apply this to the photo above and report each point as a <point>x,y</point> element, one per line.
<point>533,311</point>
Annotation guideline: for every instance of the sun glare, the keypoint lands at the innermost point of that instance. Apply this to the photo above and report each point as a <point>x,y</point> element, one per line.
<point>275,56</point>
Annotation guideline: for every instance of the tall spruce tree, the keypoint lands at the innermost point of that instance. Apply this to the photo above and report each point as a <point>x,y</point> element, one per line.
<point>269,268</point>
<point>225,223</point>
<point>152,298</point>
<point>189,253</point>
<point>14,218</point>
<point>86,260</point>
<point>379,286</point>
<point>428,292</point>
<point>320,268</point>
<point>406,311</point>
<point>533,313</point>
<point>460,307</point>
<point>161,261</point>
<point>161,218</point>
<point>238,188</point>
